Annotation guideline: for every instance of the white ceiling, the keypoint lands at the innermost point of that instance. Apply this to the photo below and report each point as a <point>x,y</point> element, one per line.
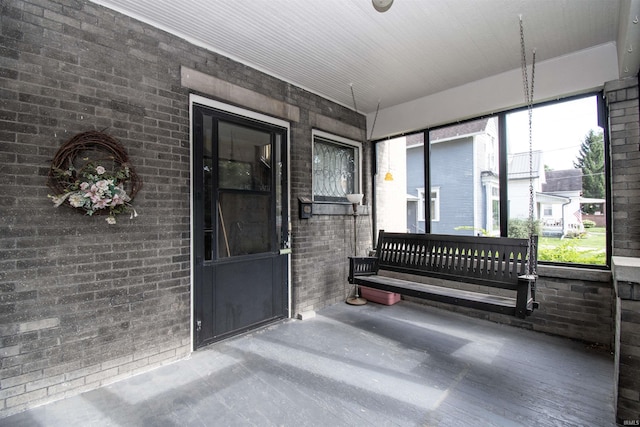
<point>416,49</point>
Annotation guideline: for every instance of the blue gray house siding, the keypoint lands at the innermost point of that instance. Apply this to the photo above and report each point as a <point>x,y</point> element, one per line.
<point>452,172</point>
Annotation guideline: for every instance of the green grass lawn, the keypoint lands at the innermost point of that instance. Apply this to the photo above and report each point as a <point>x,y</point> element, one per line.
<point>589,249</point>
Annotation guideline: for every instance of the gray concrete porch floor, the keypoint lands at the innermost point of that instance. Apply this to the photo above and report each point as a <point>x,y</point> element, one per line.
<point>373,365</point>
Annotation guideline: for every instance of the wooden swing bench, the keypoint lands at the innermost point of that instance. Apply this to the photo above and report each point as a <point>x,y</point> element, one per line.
<point>494,262</point>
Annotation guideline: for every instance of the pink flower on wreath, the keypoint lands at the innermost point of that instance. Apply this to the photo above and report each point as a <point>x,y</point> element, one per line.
<point>93,195</point>
<point>100,170</point>
<point>102,203</point>
<point>103,184</point>
<point>117,199</point>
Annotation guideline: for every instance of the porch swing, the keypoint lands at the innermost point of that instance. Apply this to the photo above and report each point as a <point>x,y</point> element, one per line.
<point>502,263</point>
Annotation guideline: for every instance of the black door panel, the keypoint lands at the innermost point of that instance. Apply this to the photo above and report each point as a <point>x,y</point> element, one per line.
<point>240,224</point>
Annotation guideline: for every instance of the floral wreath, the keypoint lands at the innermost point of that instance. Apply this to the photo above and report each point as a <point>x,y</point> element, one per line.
<point>91,171</point>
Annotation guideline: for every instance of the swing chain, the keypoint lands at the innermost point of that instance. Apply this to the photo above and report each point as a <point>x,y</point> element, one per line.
<point>528,96</point>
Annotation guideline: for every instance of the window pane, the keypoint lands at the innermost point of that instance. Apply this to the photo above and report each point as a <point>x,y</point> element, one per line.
<point>415,193</point>
<point>207,185</point>
<point>397,195</point>
<point>280,195</point>
<point>244,224</point>
<point>568,180</point>
<point>244,158</point>
<point>334,171</point>
<point>464,178</point>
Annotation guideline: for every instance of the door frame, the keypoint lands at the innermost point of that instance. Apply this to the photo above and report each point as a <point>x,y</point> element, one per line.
<point>232,109</point>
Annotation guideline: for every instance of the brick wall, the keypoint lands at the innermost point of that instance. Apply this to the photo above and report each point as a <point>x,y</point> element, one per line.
<point>626,273</point>
<point>622,101</point>
<point>84,303</point>
<point>574,303</point>
<point>322,244</point>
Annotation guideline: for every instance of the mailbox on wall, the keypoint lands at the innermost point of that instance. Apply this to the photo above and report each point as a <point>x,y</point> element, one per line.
<point>306,207</point>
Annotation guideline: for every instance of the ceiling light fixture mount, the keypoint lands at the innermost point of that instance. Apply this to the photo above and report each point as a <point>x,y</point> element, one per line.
<point>382,5</point>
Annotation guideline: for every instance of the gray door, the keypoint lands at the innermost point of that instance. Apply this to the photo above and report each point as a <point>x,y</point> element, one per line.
<point>240,224</point>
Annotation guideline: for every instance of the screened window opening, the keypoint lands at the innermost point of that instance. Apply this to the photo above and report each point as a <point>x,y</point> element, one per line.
<point>464,168</point>
<point>400,201</point>
<point>568,179</point>
<point>480,184</point>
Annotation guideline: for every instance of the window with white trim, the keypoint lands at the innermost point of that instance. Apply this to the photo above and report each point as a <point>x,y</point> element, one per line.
<point>336,167</point>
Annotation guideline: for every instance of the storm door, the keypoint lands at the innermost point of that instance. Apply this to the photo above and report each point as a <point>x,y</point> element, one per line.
<point>240,224</point>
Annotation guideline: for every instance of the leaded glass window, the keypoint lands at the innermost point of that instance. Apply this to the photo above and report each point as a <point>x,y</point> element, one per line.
<point>335,169</point>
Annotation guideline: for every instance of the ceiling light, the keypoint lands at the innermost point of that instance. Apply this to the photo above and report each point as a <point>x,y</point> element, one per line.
<point>382,5</point>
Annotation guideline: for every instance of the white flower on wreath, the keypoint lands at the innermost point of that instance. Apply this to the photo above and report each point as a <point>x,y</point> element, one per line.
<point>77,200</point>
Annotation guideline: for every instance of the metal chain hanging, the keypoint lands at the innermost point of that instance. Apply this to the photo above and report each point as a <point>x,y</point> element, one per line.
<point>528,96</point>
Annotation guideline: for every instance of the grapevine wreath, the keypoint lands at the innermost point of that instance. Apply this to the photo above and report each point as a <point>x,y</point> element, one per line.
<point>91,172</point>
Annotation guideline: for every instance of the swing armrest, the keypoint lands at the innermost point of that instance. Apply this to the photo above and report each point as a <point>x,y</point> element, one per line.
<point>362,266</point>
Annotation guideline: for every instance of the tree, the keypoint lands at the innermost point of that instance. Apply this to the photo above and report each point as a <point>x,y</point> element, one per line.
<point>591,162</point>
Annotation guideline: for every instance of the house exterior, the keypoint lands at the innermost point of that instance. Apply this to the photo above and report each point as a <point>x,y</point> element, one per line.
<point>84,303</point>
<point>560,203</point>
<point>556,195</point>
<point>524,171</point>
<point>464,171</point>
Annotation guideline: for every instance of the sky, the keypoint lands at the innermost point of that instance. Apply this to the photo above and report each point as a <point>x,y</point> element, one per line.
<point>558,130</point>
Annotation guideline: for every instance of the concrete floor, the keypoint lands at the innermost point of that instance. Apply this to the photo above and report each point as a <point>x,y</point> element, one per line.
<point>374,365</point>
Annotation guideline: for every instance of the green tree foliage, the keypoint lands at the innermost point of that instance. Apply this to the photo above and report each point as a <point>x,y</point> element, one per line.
<point>591,162</point>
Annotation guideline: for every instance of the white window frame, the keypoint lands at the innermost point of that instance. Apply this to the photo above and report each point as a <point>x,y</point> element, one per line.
<point>340,141</point>
<point>435,211</point>
<point>421,210</point>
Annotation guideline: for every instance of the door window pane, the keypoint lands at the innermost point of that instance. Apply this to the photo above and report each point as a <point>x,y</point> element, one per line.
<point>280,192</point>
<point>244,224</point>
<point>207,173</point>
<point>244,158</point>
